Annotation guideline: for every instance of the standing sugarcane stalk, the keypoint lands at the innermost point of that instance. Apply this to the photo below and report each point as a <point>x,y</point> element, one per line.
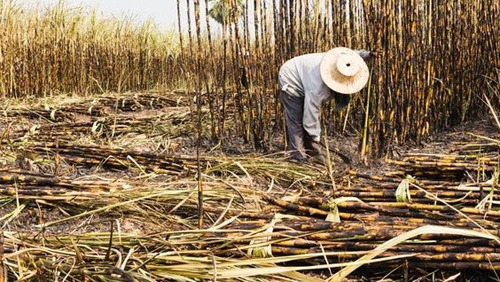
<point>213,98</point>
<point>421,72</point>
<point>364,142</point>
<point>200,58</point>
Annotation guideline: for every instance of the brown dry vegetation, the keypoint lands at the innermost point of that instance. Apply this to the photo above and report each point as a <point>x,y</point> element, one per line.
<point>433,65</point>
<point>105,187</point>
<point>64,50</point>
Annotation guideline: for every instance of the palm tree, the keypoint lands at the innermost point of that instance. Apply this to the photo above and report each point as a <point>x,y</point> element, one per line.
<point>226,11</point>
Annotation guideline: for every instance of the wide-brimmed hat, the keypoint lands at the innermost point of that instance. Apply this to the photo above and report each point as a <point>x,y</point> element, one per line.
<point>344,71</point>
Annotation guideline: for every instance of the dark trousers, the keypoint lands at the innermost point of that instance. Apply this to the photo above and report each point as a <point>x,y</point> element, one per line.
<point>294,110</point>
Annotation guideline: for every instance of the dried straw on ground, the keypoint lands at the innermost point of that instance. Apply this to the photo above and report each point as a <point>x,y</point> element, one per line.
<point>78,205</point>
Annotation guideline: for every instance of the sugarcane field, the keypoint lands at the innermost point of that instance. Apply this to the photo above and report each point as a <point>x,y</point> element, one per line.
<point>253,140</point>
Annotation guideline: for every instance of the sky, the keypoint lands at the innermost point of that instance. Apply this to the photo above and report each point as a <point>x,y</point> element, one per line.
<point>163,12</point>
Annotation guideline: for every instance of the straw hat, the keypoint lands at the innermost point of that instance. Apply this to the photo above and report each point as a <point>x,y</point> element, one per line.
<point>344,71</point>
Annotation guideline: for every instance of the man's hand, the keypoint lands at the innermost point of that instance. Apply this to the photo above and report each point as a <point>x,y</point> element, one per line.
<point>365,54</point>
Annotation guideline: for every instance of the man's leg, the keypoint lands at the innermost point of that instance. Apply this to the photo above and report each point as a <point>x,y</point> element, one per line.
<point>294,108</point>
<point>313,148</point>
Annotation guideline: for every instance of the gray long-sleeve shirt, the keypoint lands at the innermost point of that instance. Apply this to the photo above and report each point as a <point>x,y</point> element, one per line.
<point>300,76</point>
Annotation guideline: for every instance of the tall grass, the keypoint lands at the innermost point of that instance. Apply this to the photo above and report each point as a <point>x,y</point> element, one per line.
<point>73,50</point>
<point>434,59</point>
